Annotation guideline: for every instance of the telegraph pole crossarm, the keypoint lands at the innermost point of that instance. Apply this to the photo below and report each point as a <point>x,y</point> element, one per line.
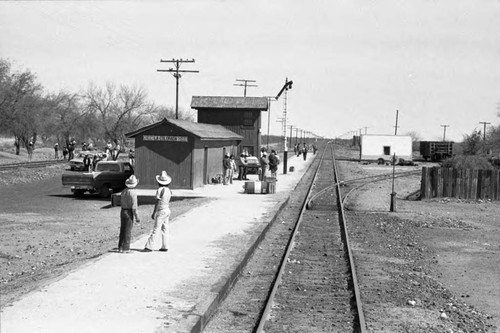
<point>245,84</point>
<point>177,63</point>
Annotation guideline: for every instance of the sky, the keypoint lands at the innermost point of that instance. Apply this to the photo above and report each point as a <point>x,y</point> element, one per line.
<point>354,64</point>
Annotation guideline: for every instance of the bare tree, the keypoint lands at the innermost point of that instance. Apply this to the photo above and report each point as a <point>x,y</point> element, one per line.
<point>472,143</point>
<point>120,109</point>
<point>20,105</point>
<point>68,116</point>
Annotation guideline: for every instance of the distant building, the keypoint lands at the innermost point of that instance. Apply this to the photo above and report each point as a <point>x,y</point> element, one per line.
<point>241,115</point>
<point>191,153</point>
<point>381,148</point>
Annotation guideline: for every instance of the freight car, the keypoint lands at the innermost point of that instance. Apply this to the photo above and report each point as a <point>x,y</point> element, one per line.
<point>436,150</point>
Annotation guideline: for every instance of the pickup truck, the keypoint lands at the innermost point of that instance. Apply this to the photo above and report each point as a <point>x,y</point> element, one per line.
<point>108,177</point>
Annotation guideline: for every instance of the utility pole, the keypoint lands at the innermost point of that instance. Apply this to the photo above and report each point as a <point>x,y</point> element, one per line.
<point>291,133</point>
<point>396,127</point>
<point>484,134</point>
<point>296,134</point>
<point>269,100</point>
<point>245,84</point>
<point>444,133</point>
<point>177,63</point>
<point>484,130</point>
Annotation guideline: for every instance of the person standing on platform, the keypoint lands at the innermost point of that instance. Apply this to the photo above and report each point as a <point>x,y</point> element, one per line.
<point>161,214</point>
<point>65,153</point>
<point>233,169</point>
<point>128,214</point>
<point>274,161</point>
<point>264,165</point>
<point>304,151</point>
<point>131,157</point>
<point>56,151</point>
<point>242,167</point>
<point>226,166</point>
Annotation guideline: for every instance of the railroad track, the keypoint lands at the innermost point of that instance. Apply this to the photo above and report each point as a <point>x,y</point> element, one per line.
<point>303,279</point>
<point>32,164</point>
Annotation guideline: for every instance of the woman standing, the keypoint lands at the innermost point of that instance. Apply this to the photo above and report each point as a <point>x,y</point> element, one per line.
<point>127,214</point>
<point>161,213</point>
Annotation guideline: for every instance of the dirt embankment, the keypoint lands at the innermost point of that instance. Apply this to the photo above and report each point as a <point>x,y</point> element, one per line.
<point>431,266</point>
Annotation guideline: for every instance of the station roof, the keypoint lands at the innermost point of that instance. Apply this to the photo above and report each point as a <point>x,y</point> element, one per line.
<point>202,131</point>
<point>229,102</point>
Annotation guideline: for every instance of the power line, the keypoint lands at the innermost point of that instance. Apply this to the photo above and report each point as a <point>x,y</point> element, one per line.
<point>245,84</point>
<point>177,63</point>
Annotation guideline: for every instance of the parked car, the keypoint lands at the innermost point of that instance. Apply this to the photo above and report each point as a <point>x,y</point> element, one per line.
<point>253,165</point>
<point>108,177</point>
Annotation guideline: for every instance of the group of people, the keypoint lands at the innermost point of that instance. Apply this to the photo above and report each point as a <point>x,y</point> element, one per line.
<point>111,153</point>
<point>268,164</point>
<point>161,214</point>
<point>302,150</point>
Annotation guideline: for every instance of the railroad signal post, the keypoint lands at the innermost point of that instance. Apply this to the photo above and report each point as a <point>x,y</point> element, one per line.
<point>286,86</point>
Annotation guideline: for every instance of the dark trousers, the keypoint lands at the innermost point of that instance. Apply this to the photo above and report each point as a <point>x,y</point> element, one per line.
<point>127,220</point>
<point>242,172</point>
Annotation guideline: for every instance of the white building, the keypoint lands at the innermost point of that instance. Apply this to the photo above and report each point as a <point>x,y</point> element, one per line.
<point>381,148</point>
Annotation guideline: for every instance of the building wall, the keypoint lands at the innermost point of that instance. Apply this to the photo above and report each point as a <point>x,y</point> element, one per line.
<point>236,121</point>
<point>215,151</point>
<point>175,157</point>
<point>372,147</point>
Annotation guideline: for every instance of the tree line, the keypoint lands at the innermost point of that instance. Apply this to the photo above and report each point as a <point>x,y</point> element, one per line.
<point>99,114</point>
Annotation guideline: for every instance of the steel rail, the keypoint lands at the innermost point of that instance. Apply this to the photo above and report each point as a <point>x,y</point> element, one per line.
<point>267,309</point>
<point>353,180</point>
<point>379,179</point>
<point>32,164</point>
<point>357,292</point>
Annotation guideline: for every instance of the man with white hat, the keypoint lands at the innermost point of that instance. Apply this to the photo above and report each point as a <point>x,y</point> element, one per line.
<point>127,214</point>
<point>226,165</point>
<point>161,214</point>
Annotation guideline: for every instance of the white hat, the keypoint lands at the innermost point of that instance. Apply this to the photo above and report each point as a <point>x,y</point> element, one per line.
<point>227,154</point>
<point>163,179</point>
<point>131,182</point>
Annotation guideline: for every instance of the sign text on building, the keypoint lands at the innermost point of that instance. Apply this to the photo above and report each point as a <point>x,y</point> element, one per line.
<point>165,138</point>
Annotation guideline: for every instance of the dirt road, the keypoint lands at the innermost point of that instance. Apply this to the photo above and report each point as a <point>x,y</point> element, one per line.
<point>46,231</point>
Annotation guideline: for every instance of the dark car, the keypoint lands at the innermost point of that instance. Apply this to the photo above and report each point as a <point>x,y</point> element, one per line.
<point>253,164</point>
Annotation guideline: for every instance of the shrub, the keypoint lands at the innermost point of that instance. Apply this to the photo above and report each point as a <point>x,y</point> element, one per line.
<point>467,162</point>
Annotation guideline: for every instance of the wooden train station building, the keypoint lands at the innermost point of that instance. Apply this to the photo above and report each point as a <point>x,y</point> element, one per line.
<point>190,152</point>
<point>241,115</point>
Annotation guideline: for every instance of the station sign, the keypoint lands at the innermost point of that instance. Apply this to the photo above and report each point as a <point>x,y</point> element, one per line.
<point>169,138</point>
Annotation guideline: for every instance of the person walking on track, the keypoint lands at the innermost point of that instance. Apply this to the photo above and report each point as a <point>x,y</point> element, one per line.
<point>127,214</point>
<point>161,213</point>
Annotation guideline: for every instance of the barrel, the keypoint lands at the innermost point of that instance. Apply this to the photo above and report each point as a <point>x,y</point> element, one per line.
<point>255,187</point>
<point>270,185</point>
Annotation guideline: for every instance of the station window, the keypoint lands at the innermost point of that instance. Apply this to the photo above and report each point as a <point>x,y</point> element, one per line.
<point>248,118</point>
<point>387,150</point>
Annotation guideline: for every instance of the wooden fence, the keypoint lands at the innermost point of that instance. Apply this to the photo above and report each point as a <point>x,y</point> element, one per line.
<point>460,183</point>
